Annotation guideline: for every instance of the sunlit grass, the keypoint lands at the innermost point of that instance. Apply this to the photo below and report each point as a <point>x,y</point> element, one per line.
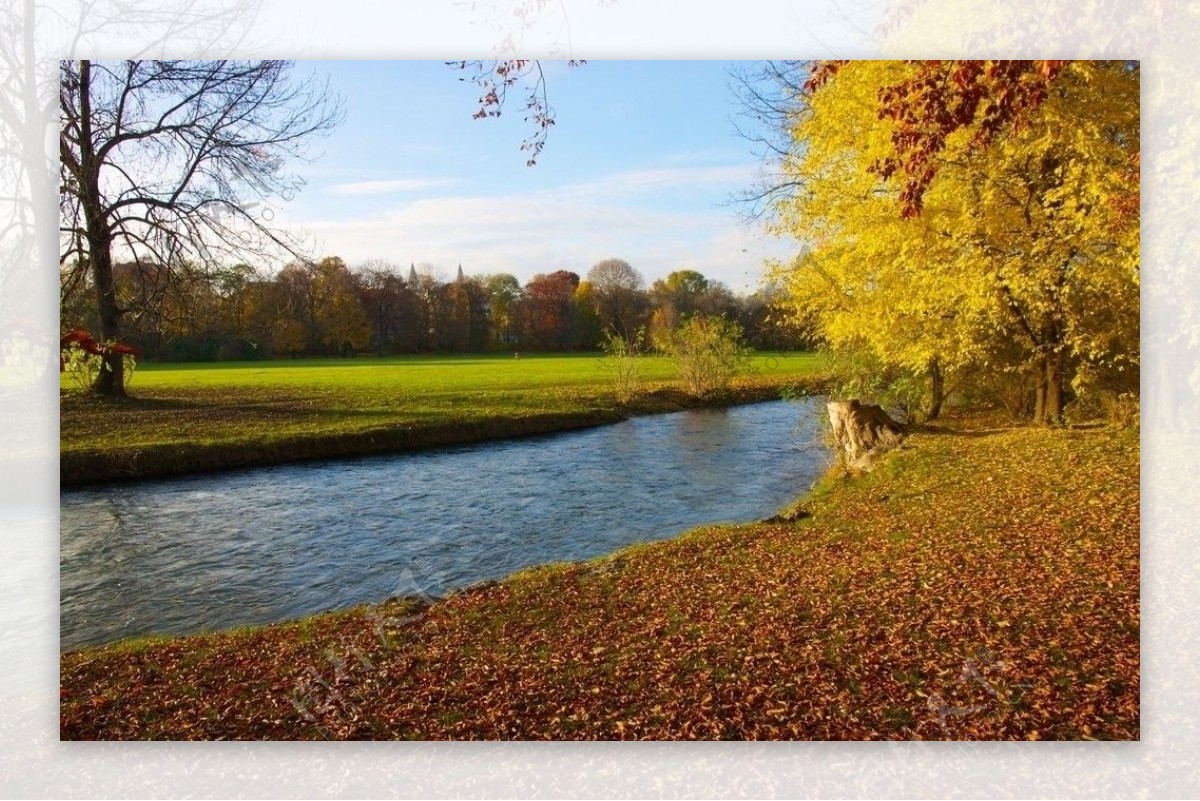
<point>423,374</point>
<point>258,405</point>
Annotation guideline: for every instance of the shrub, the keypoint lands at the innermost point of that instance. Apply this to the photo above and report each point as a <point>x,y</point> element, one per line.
<point>623,363</point>
<point>708,351</point>
<point>80,367</point>
<point>81,357</point>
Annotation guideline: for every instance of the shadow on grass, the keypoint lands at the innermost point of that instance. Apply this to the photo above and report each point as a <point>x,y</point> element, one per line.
<point>86,402</point>
<point>945,431</point>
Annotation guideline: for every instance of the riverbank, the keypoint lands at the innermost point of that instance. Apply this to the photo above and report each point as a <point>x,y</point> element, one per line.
<point>982,583</point>
<point>183,420</point>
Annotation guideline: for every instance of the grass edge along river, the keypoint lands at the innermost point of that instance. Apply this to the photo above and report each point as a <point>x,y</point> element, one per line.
<point>981,583</point>
<point>183,419</point>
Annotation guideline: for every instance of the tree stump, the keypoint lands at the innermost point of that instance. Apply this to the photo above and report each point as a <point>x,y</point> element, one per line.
<point>862,432</point>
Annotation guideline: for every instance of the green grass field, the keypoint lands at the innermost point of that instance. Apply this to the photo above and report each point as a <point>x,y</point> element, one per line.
<point>236,413</point>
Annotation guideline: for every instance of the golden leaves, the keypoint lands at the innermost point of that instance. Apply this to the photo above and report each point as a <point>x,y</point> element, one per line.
<point>1025,248</point>
<point>983,584</point>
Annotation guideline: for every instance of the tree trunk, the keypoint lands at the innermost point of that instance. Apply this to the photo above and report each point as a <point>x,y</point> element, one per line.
<point>1039,397</point>
<point>1049,399</point>
<point>862,431</point>
<point>1054,389</point>
<point>937,382</point>
<point>111,378</point>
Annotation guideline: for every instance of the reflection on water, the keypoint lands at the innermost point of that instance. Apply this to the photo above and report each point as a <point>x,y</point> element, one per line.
<point>269,544</point>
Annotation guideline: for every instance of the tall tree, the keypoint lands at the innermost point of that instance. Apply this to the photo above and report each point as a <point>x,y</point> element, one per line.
<point>433,308</point>
<point>678,291</point>
<point>341,324</point>
<point>1024,254</point>
<point>467,328</point>
<point>1051,219</point>
<point>283,311</point>
<point>390,306</point>
<point>585,322</point>
<point>872,283</point>
<point>672,299</point>
<point>166,162</point>
<point>503,300</point>
<point>548,309</point>
<point>617,291</point>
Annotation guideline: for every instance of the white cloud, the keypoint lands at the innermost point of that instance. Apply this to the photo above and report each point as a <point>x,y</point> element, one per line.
<point>639,181</point>
<point>659,220</point>
<point>390,187</point>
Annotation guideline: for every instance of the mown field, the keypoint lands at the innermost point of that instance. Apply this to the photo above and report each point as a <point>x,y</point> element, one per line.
<point>181,418</point>
<point>981,583</point>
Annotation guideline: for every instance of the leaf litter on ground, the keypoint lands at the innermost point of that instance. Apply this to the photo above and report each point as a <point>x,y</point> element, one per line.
<point>982,583</point>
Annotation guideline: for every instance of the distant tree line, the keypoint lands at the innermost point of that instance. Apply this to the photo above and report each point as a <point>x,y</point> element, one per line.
<point>326,308</point>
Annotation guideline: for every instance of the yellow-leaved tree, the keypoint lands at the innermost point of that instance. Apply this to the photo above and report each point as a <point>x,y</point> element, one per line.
<point>871,282</point>
<point>1022,262</point>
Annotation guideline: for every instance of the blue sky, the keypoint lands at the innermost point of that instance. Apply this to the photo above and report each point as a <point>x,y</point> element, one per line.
<point>641,165</point>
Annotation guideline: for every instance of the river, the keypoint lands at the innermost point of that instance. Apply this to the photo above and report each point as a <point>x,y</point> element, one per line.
<point>257,546</point>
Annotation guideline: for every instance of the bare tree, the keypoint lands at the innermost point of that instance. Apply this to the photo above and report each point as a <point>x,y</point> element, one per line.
<point>771,101</point>
<point>166,163</point>
<point>619,297</point>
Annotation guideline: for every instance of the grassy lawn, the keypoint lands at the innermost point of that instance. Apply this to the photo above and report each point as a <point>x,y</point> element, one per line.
<point>981,583</point>
<point>229,414</point>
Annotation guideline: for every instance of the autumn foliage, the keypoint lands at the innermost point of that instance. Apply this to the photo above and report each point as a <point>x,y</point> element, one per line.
<point>495,79</point>
<point>983,583</point>
<point>939,97</point>
<point>972,224</point>
<point>81,339</point>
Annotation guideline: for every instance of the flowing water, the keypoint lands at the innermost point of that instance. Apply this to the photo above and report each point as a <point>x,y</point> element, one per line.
<point>263,545</point>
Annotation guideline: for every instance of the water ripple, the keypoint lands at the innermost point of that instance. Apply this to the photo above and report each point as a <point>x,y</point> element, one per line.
<point>274,543</point>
